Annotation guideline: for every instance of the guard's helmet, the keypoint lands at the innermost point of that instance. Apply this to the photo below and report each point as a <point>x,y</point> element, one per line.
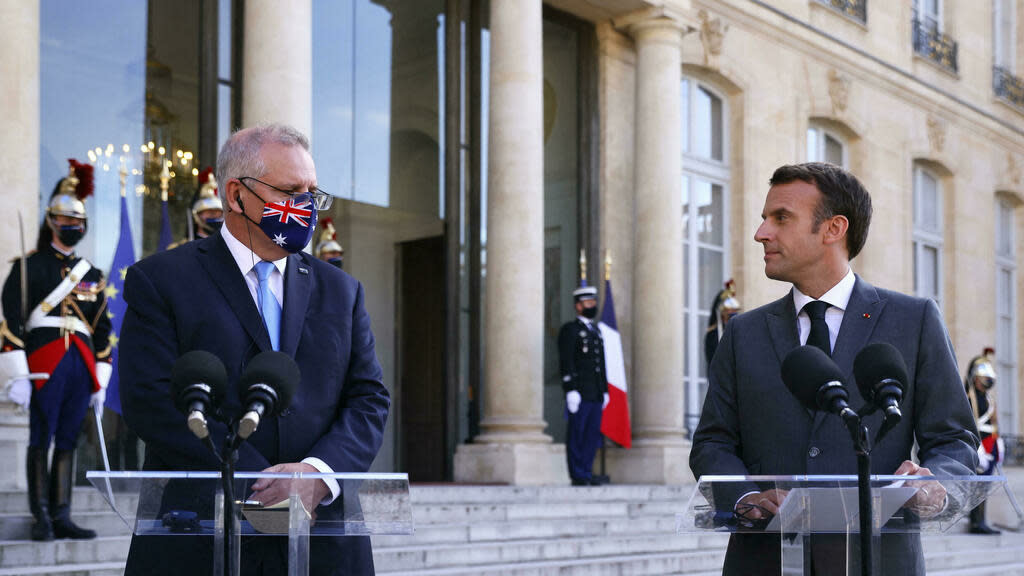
<point>68,198</point>
<point>328,241</point>
<point>206,198</point>
<point>982,371</point>
<point>729,305</point>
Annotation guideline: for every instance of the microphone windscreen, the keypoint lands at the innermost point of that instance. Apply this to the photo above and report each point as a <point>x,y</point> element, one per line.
<point>195,367</point>
<point>805,370</point>
<point>876,362</point>
<point>275,369</point>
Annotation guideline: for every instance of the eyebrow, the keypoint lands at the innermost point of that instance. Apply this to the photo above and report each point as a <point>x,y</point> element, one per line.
<point>776,212</point>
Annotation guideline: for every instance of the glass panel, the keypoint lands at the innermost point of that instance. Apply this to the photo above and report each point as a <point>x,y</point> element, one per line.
<point>224,110</point>
<point>711,275</point>
<point>833,150</point>
<point>813,153</point>
<point>929,274</point>
<point>224,39</point>
<point>686,208</point>
<point>702,324</point>
<point>710,216</point>
<point>684,116</point>
<point>1004,229</point>
<point>708,125</point>
<point>928,196</point>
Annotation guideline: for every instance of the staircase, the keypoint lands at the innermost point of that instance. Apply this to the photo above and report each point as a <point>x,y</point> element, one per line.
<point>498,530</point>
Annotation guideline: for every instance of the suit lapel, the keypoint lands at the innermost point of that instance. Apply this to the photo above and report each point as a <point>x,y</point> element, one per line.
<point>216,259</point>
<point>859,321</point>
<point>782,326</point>
<point>297,287</point>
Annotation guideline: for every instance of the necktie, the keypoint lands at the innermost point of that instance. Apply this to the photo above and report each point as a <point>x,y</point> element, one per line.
<point>819,329</point>
<point>269,307</point>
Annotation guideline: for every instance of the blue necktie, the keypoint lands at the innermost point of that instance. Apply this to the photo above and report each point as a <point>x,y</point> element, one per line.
<point>269,307</point>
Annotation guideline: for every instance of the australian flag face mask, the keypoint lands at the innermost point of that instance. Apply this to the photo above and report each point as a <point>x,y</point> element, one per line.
<point>288,223</point>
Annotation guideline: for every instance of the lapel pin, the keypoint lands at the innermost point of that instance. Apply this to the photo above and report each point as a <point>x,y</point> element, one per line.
<point>306,271</point>
<point>866,315</point>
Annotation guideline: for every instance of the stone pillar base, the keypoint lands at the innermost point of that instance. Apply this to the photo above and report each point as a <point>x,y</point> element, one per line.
<point>520,464</point>
<point>651,462</point>
<point>13,443</point>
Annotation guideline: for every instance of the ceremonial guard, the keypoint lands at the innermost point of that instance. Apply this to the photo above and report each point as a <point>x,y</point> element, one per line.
<point>327,248</point>
<point>56,330</point>
<point>207,210</point>
<point>725,306</point>
<point>581,352</point>
<point>981,378</point>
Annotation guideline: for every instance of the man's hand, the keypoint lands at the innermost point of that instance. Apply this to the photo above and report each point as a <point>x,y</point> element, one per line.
<point>273,490</point>
<point>572,401</point>
<point>761,504</point>
<point>930,498</point>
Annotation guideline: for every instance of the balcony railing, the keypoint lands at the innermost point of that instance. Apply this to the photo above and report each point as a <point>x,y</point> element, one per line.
<point>935,46</point>
<point>855,9</point>
<point>1008,87</point>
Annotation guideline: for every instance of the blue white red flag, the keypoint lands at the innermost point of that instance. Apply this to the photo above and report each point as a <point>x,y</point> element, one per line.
<point>615,419</point>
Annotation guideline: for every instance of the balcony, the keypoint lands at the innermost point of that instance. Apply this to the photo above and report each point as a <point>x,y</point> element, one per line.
<point>935,46</point>
<point>854,9</point>
<point>1007,87</point>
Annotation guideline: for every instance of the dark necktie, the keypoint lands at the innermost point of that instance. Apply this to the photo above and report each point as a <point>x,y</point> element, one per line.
<point>819,329</point>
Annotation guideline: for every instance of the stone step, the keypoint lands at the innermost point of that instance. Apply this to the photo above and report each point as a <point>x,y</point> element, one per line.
<point>19,526</point>
<point>488,494</point>
<point>562,550</point>
<point>24,554</point>
<point>448,513</point>
<point>998,570</point>
<point>89,569</point>
<point>83,499</point>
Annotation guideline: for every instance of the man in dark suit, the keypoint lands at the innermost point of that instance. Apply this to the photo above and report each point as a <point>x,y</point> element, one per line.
<point>243,290</point>
<point>816,219</point>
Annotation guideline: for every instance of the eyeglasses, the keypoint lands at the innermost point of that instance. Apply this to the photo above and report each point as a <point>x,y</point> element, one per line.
<point>744,521</point>
<point>321,200</point>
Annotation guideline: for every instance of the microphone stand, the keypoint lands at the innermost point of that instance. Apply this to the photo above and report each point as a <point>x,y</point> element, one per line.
<point>228,459</point>
<point>861,445</point>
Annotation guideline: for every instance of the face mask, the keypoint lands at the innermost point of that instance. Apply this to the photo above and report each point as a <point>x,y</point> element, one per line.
<point>212,224</point>
<point>590,313</point>
<point>339,262</point>
<point>70,235</point>
<point>288,223</point>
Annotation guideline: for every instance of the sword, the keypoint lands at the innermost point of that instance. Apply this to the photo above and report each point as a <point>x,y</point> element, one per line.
<point>103,450</point>
<point>24,271</point>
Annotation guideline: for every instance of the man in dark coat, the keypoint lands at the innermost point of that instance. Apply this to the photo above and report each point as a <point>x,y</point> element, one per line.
<point>243,290</point>
<point>815,220</point>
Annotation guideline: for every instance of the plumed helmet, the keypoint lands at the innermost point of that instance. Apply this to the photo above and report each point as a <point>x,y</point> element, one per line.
<point>69,195</point>
<point>982,370</point>
<point>729,305</point>
<point>206,197</point>
<point>328,241</point>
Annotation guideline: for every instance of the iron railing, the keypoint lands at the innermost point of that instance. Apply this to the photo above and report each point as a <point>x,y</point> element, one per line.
<point>935,46</point>
<point>1008,87</point>
<point>855,9</point>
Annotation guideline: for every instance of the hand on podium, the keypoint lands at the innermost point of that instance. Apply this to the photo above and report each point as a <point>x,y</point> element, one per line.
<point>760,505</point>
<point>930,498</point>
<point>271,491</point>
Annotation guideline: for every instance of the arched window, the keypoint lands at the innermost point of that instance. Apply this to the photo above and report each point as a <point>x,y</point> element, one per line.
<point>705,190</point>
<point>928,234</point>
<point>824,145</point>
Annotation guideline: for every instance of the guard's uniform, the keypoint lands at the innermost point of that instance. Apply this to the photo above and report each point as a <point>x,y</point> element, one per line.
<point>59,328</point>
<point>581,351</point>
<point>981,378</point>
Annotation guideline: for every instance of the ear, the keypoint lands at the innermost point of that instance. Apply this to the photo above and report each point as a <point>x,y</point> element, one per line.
<point>232,196</point>
<point>835,229</point>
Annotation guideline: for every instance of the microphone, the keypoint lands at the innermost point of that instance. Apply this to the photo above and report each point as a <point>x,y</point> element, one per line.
<point>881,375</point>
<point>198,380</point>
<point>815,380</point>
<point>268,383</point>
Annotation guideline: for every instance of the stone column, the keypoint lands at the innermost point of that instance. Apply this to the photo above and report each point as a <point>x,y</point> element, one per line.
<point>512,447</point>
<point>277,80</point>
<point>660,452</point>
<point>19,180</point>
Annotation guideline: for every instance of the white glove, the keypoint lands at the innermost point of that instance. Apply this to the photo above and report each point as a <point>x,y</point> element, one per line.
<point>1002,449</point>
<point>14,365</point>
<point>983,459</point>
<point>20,392</point>
<point>103,370</point>
<point>604,403</point>
<point>97,399</point>
<point>572,401</point>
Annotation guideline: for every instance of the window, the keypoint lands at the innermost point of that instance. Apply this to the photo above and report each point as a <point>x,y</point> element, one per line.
<point>705,187</point>
<point>929,13</point>
<point>927,235</point>
<point>1004,18</point>
<point>1006,316</point>
<point>825,146</point>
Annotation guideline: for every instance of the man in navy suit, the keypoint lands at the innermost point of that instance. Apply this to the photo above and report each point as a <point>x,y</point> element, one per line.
<point>815,220</point>
<point>244,290</point>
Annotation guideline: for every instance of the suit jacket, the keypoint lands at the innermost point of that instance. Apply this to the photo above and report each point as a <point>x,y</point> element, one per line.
<point>195,298</point>
<point>752,425</point>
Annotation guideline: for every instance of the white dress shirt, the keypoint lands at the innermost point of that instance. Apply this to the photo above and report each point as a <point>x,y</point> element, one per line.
<point>838,298</point>
<point>247,260</point>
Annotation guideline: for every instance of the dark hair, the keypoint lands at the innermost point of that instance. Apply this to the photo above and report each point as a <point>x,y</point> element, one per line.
<point>841,195</point>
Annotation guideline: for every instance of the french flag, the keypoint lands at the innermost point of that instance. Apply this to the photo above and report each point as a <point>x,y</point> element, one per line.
<point>615,419</point>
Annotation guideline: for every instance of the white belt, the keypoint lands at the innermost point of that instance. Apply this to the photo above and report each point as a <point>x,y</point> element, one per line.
<point>68,323</point>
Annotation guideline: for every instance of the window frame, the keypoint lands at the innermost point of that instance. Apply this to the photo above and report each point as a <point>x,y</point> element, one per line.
<point>1007,360</point>
<point>822,133</point>
<point>924,238</point>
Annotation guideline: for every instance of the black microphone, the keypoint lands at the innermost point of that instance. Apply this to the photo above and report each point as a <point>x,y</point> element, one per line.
<point>815,380</point>
<point>268,383</point>
<point>881,376</point>
<point>198,380</point>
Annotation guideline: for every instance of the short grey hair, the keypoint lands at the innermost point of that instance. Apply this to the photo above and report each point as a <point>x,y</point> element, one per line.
<point>240,155</point>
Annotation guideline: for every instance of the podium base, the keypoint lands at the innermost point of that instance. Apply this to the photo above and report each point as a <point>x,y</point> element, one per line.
<point>526,464</point>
